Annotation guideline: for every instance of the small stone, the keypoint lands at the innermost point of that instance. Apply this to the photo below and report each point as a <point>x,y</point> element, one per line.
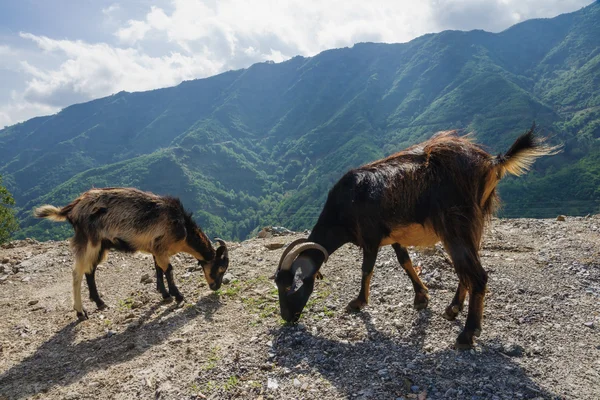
<point>414,388</point>
<point>274,246</point>
<point>186,275</point>
<point>589,324</point>
<point>304,386</point>
<point>297,382</point>
<point>561,218</point>
<point>272,383</point>
<point>146,278</point>
<point>5,260</point>
<point>26,279</point>
<point>110,333</point>
<point>136,304</point>
<point>512,350</point>
<point>32,302</point>
<point>227,278</point>
<point>382,372</point>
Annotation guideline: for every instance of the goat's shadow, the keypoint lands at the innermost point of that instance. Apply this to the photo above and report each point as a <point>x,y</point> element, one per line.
<point>383,366</point>
<point>60,362</point>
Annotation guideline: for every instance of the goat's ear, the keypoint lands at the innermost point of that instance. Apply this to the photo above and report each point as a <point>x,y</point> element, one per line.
<point>221,253</point>
<point>303,268</point>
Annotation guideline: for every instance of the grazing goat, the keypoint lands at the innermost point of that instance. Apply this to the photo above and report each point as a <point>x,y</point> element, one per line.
<point>130,220</point>
<point>441,190</point>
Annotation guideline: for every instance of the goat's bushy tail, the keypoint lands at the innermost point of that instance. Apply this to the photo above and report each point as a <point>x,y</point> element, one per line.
<point>50,212</point>
<point>521,155</point>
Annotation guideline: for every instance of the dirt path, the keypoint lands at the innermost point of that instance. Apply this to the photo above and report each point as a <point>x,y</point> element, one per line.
<point>540,335</point>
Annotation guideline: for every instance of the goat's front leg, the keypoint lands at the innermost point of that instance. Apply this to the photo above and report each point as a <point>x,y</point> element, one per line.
<point>369,258</point>
<point>456,305</point>
<point>160,282</point>
<point>163,263</point>
<point>421,292</point>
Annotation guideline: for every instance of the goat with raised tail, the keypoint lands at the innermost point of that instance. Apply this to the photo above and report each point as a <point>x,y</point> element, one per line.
<point>441,190</point>
<point>129,220</point>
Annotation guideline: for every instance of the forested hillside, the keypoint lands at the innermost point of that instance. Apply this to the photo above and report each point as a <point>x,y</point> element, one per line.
<point>263,145</point>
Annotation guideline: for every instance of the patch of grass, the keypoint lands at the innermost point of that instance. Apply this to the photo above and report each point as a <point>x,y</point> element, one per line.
<point>231,383</point>
<point>328,312</point>
<point>230,290</point>
<point>211,386</point>
<point>254,384</point>
<point>213,359</point>
<point>125,304</point>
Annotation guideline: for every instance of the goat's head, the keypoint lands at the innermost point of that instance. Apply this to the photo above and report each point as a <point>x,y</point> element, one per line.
<point>216,268</point>
<point>295,277</point>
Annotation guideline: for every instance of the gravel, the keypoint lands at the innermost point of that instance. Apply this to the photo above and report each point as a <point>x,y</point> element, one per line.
<point>539,341</point>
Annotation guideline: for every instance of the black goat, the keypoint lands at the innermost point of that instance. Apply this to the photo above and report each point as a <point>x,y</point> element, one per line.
<point>130,220</point>
<point>441,190</point>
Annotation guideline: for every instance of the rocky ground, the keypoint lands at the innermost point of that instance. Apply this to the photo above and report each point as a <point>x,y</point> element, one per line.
<point>540,335</point>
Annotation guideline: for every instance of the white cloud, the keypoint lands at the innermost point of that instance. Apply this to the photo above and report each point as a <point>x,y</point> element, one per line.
<point>111,9</point>
<point>136,30</point>
<point>93,70</point>
<point>197,38</point>
<point>20,110</point>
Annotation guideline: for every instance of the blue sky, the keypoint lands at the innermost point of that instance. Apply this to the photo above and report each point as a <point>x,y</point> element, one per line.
<point>54,53</point>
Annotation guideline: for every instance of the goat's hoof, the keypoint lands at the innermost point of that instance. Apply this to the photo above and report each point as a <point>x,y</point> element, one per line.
<point>82,315</point>
<point>167,299</point>
<point>451,312</point>
<point>464,341</point>
<point>356,305</point>
<point>421,301</point>
<point>179,299</point>
<point>319,275</point>
<point>101,306</point>
<point>477,332</point>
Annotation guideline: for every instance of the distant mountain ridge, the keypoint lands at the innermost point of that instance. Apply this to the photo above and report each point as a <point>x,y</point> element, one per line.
<point>263,145</point>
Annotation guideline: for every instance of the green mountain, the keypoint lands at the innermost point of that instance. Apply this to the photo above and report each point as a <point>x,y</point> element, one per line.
<point>263,145</point>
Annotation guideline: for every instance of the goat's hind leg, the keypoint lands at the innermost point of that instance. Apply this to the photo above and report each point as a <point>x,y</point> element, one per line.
<point>472,275</point>
<point>90,278</point>
<point>94,296</point>
<point>421,292</point>
<point>78,270</point>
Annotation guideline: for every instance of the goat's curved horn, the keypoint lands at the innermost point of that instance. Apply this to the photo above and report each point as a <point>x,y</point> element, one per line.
<point>222,243</point>
<point>291,256</point>
<point>289,248</point>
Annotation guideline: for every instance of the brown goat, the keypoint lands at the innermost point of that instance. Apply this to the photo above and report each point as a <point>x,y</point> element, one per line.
<point>441,190</point>
<point>129,220</point>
